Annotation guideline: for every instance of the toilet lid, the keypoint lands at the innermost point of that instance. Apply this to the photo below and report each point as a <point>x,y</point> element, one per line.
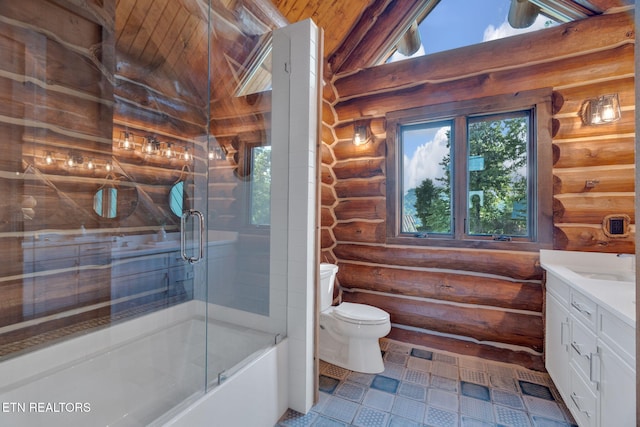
<point>360,313</point>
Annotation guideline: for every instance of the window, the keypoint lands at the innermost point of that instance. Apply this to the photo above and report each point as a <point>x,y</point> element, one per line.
<point>260,186</point>
<point>473,173</point>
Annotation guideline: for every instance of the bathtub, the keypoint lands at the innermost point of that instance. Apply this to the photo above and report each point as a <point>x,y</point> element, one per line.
<point>149,371</point>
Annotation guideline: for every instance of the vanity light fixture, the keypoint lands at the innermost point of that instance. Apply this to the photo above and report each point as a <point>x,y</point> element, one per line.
<point>360,134</point>
<point>150,146</point>
<point>90,164</point>
<point>186,156</point>
<point>601,110</point>
<point>169,152</point>
<point>217,153</point>
<point>73,160</point>
<point>127,141</point>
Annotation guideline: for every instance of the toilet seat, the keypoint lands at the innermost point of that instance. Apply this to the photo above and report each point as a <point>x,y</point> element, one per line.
<point>360,314</point>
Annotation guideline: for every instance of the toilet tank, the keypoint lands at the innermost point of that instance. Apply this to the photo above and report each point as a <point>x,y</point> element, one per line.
<point>327,277</point>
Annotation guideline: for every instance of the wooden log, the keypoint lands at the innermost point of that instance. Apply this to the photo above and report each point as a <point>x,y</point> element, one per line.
<point>366,168</point>
<point>360,232</point>
<point>345,150</point>
<point>326,154</point>
<point>480,323</point>
<point>326,175</point>
<point>326,238</point>
<point>145,97</point>
<point>353,209</point>
<point>377,126</point>
<point>574,127</point>
<point>569,40</point>
<point>469,348</point>
<point>326,217</point>
<point>614,150</point>
<point>155,122</point>
<point>328,114</point>
<point>611,178</point>
<point>245,124</point>
<point>364,45</point>
<point>591,208</point>
<point>327,196</point>
<point>574,97</point>
<point>327,256</point>
<point>54,109</point>
<point>567,71</point>
<point>327,135</point>
<point>367,187</point>
<point>591,238</point>
<point>454,287</point>
<point>238,106</point>
<point>513,264</point>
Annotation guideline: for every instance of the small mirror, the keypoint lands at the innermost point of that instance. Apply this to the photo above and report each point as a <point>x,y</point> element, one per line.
<point>178,198</point>
<point>116,199</point>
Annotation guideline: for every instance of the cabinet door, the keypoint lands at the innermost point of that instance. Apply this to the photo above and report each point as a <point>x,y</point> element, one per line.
<point>617,390</point>
<point>557,344</point>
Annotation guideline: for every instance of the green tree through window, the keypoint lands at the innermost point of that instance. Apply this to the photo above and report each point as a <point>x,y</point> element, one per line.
<point>260,199</point>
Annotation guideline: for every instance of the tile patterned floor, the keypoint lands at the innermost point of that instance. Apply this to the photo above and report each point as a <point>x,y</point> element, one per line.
<point>422,387</point>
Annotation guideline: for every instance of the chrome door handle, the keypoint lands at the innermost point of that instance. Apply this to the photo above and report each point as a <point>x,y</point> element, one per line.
<point>183,237</point>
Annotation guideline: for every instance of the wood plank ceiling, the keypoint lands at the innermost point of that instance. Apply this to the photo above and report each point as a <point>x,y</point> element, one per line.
<point>168,38</point>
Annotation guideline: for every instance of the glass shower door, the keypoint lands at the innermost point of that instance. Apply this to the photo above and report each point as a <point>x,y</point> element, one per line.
<point>105,145</point>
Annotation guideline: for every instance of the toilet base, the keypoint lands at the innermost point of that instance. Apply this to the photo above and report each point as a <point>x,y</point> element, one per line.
<point>359,355</point>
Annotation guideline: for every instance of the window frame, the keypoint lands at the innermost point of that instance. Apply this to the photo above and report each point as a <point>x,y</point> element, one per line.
<point>539,102</point>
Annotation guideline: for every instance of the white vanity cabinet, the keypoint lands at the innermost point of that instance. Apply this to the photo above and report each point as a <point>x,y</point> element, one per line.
<point>590,350</point>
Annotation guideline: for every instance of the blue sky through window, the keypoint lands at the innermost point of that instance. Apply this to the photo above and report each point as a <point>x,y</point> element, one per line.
<point>450,25</point>
<point>456,23</point>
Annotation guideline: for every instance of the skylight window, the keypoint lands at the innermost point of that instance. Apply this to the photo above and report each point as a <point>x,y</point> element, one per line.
<point>457,23</point>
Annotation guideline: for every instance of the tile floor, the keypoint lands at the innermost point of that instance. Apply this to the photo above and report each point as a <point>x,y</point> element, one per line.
<point>422,387</point>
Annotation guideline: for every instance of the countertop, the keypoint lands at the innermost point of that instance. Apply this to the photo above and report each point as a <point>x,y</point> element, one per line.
<point>617,296</point>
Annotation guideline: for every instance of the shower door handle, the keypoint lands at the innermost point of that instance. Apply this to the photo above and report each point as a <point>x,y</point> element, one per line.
<point>183,236</point>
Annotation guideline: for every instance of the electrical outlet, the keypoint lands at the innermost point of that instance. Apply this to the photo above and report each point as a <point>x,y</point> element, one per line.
<point>616,225</point>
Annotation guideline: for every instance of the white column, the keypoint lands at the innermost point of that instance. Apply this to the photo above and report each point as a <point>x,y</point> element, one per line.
<point>293,203</point>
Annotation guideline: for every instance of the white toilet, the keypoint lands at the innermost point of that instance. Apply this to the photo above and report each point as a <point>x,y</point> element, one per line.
<point>349,332</point>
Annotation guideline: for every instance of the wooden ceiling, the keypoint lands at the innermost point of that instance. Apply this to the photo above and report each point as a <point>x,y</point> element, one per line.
<point>168,38</point>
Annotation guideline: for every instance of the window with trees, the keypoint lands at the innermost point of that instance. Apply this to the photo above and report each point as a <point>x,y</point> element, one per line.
<point>474,173</point>
<point>260,186</point>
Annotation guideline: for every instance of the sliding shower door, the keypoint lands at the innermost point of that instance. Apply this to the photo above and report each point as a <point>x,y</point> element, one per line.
<point>103,219</point>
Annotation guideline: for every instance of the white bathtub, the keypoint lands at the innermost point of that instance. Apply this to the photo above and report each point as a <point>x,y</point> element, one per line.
<point>146,371</point>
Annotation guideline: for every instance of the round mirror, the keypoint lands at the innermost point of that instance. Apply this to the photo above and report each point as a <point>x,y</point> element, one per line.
<point>116,199</point>
<point>178,198</point>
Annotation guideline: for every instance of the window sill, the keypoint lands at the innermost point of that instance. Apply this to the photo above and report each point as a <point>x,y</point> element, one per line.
<point>514,245</point>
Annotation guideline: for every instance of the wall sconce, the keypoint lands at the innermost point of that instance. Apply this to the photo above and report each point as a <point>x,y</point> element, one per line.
<point>150,146</point>
<point>186,156</point>
<point>360,134</point>
<point>108,166</point>
<point>73,160</point>
<point>601,110</point>
<point>127,141</point>
<point>217,153</point>
<point>169,152</point>
<point>90,164</point>
<point>48,158</point>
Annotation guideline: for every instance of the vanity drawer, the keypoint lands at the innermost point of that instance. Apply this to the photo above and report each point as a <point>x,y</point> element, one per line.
<point>582,401</point>
<point>584,344</point>
<point>618,335</point>
<point>584,309</point>
<point>558,288</point>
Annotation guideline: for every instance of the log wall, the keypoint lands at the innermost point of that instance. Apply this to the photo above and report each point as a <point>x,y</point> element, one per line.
<point>480,296</point>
